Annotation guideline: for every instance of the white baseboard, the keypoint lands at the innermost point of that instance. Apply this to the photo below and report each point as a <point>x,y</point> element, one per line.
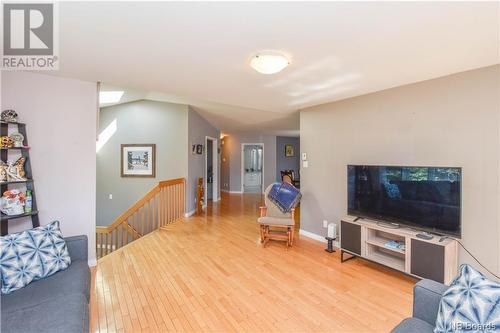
<point>312,235</point>
<point>227,191</point>
<point>317,237</point>
<point>189,214</point>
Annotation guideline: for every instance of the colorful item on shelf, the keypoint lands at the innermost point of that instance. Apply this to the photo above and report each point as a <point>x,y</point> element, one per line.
<point>15,170</point>
<point>395,245</point>
<point>9,116</point>
<point>17,139</point>
<point>12,202</point>
<point>6,141</point>
<point>3,171</point>
<point>28,204</point>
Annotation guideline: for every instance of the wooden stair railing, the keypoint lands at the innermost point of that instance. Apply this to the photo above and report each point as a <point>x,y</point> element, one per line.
<point>162,205</point>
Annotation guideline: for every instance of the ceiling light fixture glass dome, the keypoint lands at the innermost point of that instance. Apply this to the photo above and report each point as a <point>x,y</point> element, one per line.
<point>268,62</point>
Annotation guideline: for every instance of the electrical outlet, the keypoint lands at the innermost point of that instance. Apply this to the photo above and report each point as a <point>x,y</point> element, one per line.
<point>325,224</point>
<point>111,197</point>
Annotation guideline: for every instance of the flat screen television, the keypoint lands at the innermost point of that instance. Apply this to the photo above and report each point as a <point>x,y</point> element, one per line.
<point>426,198</point>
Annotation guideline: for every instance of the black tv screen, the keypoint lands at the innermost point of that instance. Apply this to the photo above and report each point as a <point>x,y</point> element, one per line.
<point>426,198</point>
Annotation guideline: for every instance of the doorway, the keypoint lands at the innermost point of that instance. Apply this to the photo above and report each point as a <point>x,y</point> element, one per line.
<point>252,167</point>
<point>211,170</point>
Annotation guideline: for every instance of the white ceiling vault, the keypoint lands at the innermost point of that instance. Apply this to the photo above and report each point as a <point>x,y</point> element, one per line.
<point>198,52</point>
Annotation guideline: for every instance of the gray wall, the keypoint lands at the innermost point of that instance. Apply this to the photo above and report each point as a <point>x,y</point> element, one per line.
<point>287,163</point>
<point>164,124</point>
<point>449,121</point>
<point>60,115</point>
<point>225,172</point>
<point>232,153</point>
<point>198,129</point>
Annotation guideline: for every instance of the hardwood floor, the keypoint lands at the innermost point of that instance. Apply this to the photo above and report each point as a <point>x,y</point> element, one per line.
<point>210,273</point>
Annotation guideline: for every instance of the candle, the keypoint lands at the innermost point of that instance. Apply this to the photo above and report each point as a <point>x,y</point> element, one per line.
<point>332,230</point>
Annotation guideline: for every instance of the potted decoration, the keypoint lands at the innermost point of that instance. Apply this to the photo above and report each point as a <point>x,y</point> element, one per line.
<point>12,202</point>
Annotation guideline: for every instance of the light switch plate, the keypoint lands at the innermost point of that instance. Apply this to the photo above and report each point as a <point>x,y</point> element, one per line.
<point>304,156</point>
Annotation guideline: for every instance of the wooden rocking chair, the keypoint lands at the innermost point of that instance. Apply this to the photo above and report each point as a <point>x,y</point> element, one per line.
<point>274,224</point>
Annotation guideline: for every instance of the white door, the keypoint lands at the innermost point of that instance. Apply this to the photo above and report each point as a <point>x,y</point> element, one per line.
<point>252,168</point>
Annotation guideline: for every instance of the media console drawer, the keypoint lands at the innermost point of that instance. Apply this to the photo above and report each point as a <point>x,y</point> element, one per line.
<point>350,237</point>
<point>427,260</point>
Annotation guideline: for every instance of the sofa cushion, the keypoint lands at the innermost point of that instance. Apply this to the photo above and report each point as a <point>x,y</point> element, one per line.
<point>66,314</point>
<point>471,303</point>
<point>74,280</point>
<point>32,255</point>
<point>413,325</point>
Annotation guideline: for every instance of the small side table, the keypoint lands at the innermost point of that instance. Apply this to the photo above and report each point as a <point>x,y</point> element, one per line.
<point>329,247</point>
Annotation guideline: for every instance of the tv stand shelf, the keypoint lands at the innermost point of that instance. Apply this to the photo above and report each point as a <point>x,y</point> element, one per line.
<point>387,259</point>
<point>381,243</point>
<point>368,239</point>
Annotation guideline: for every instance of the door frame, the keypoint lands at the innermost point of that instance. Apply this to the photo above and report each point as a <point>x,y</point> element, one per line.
<point>215,171</point>
<point>243,164</point>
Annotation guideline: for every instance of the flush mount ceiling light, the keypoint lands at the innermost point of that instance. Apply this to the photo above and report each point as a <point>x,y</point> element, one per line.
<point>269,62</point>
<point>110,96</point>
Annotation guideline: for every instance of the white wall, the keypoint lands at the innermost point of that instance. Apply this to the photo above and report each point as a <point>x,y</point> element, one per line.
<point>449,121</point>
<point>61,125</point>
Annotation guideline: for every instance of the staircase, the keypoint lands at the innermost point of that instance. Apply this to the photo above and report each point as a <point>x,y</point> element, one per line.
<point>162,205</point>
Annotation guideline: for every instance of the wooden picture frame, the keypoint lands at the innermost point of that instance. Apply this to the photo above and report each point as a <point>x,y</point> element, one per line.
<point>289,151</point>
<point>138,160</point>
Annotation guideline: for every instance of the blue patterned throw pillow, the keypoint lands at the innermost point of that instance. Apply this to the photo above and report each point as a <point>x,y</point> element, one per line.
<point>470,304</point>
<point>32,255</point>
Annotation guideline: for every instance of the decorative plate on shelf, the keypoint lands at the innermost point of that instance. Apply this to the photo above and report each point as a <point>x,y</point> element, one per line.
<point>18,139</point>
<point>9,116</point>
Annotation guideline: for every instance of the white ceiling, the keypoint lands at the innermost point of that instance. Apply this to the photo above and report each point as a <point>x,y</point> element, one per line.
<point>198,53</point>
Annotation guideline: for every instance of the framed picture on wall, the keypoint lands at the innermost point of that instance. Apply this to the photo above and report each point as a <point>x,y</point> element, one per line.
<point>289,151</point>
<point>138,160</point>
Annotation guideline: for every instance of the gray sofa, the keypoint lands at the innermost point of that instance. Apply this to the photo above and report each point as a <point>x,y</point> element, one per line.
<point>426,298</point>
<point>59,303</point>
